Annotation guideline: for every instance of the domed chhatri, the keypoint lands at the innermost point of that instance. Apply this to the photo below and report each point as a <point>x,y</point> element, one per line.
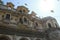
<point>19,24</point>
<point>9,4</point>
<point>22,9</point>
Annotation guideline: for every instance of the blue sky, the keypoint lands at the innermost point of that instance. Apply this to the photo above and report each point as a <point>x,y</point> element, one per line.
<point>41,7</point>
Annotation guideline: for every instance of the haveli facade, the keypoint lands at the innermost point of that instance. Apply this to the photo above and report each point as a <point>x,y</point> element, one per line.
<point>18,24</point>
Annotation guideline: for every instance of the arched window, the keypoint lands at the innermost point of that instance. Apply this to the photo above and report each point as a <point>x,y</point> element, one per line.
<point>25,20</point>
<point>7,16</point>
<point>21,21</point>
<point>20,11</point>
<point>49,25</point>
<point>4,38</point>
<point>10,6</point>
<point>23,39</point>
<point>23,10</point>
<point>36,24</point>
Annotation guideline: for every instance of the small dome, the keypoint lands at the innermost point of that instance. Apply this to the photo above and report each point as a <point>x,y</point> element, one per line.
<point>9,4</point>
<point>22,9</point>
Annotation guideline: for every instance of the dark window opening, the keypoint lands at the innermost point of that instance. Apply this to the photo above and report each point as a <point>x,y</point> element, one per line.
<point>25,20</point>
<point>8,16</point>
<point>36,24</point>
<point>4,38</point>
<point>49,25</point>
<point>20,11</point>
<point>21,21</point>
<point>15,19</point>
<point>23,10</point>
<point>10,6</point>
<point>23,39</point>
